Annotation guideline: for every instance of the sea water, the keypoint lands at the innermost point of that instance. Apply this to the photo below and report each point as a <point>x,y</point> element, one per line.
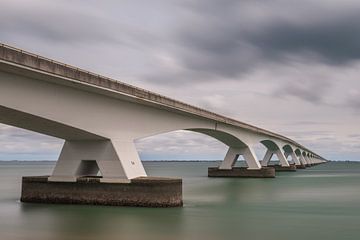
<point>322,203</point>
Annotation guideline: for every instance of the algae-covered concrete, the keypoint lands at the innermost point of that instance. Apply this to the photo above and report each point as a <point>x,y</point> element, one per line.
<point>242,172</point>
<point>143,192</point>
<point>279,168</point>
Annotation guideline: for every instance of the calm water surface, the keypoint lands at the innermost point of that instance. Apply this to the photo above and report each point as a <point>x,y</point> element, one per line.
<point>322,202</point>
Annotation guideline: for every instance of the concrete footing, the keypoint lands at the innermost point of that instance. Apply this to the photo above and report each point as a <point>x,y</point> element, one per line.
<point>279,168</point>
<point>300,167</point>
<point>142,192</point>
<point>242,172</point>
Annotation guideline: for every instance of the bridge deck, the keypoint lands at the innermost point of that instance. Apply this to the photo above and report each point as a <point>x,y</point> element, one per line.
<point>11,55</point>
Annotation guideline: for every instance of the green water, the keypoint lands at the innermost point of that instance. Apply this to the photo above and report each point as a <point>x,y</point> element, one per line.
<point>322,202</point>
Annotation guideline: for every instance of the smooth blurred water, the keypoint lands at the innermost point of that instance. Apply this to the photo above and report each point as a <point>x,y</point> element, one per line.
<point>322,202</point>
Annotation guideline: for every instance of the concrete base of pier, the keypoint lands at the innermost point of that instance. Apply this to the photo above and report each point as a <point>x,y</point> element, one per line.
<point>140,192</point>
<point>242,172</point>
<point>279,168</point>
<point>300,167</point>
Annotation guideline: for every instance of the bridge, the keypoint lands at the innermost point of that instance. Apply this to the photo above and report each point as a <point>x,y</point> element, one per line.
<point>99,119</point>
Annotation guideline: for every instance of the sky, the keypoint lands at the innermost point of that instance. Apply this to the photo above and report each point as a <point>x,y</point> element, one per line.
<point>292,67</point>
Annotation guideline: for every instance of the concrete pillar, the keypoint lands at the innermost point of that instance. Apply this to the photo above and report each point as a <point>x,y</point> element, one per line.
<point>307,159</point>
<point>233,154</point>
<point>303,159</point>
<point>268,155</point>
<point>294,158</point>
<point>117,161</point>
<point>267,158</point>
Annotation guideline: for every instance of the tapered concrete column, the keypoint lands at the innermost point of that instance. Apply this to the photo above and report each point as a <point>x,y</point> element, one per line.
<point>303,159</point>
<point>294,158</point>
<point>268,155</point>
<point>117,161</point>
<point>254,169</point>
<point>233,154</point>
<point>267,158</point>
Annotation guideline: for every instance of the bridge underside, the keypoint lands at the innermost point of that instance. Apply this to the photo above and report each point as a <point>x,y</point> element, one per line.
<point>44,126</point>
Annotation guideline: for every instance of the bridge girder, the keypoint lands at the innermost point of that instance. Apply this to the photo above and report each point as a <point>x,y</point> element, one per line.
<point>87,117</point>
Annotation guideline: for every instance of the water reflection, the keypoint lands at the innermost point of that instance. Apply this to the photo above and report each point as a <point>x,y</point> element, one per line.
<point>89,222</point>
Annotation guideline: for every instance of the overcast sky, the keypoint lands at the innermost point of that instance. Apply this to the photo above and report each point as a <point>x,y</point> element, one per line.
<point>292,67</point>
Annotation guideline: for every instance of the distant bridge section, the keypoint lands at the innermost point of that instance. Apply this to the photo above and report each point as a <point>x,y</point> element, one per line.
<point>99,119</point>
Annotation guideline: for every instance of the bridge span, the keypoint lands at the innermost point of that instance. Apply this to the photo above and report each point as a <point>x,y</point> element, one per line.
<point>99,119</point>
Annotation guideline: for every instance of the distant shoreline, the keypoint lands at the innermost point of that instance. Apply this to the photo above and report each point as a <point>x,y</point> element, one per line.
<point>54,161</point>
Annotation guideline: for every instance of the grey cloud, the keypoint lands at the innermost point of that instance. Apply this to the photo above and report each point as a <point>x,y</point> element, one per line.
<point>249,52</point>
<point>337,41</point>
<point>308,123</point>
<point>354,102</point>
<point>211,40</point>
<point>56,22</point>
<point>312,90</point>
<point>53,23</point>
<point>224,40</point>
<point>356,136</point>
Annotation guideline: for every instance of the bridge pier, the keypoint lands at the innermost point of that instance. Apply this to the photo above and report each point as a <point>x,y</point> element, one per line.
<point>254,169</point>
<point>296,163</point>
<point>303,161</point>
<point>117,161</point>
<point>284,165</point>
<point>123,180</point>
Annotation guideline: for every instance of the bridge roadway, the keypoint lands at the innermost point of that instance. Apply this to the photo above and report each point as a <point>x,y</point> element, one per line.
<point>99,118</point>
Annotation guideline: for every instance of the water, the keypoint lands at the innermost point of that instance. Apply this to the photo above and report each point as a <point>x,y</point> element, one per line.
<point>322,202</point>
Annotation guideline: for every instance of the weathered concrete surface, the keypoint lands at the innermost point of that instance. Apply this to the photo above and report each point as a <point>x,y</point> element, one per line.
<point>300,166</point>
<point>279,168</point>
<point>242,172</point>
<point>140,192</point>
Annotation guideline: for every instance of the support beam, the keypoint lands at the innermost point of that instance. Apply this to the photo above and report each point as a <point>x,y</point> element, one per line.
<point>254,169</point>
<point>307,160</point>
<point>266,159</point>
<point>268,155</point>
<point>312,160</point>
<point>233,154</point>
<point>303,160</point>
<point>117,161</point>
<point>294,158</point>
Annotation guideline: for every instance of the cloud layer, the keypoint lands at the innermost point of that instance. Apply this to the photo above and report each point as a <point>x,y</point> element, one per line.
<point>291,67</point>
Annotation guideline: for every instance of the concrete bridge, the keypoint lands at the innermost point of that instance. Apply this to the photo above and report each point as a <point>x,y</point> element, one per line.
<point>99,119</point>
